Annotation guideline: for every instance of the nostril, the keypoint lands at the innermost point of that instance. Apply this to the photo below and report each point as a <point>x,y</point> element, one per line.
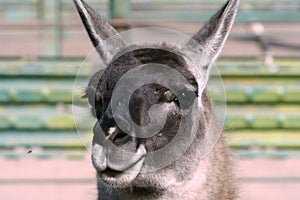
<point>120,138</point>
<point>121,135</point>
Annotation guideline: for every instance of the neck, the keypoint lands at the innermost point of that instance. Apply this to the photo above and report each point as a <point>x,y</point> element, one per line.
<point>190,187</point>
<point>210,178</point>
<point>130,193</point>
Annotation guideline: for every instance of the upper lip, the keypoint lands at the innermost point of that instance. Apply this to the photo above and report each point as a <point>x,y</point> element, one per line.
<point>117,162</point>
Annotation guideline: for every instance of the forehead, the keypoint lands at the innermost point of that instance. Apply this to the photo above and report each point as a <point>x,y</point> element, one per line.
<point>134,58</point>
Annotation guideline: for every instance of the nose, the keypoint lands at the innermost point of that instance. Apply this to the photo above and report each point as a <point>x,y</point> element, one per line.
<point>119,135</point>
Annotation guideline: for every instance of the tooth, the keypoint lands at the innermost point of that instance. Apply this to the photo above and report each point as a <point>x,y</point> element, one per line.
<point>111,130</point>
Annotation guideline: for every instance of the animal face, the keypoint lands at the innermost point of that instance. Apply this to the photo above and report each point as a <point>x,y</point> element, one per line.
<point>147,98</point>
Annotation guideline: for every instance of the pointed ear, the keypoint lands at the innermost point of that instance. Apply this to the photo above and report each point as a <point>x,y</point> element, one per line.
<point>99,30</point>
<point>213,35</point>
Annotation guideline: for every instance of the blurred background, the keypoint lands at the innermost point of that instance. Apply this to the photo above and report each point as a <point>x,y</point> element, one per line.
<point>42,45</point>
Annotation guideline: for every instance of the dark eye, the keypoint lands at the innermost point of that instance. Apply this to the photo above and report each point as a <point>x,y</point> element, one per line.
<point>187,98</point>
<point>184,99</point>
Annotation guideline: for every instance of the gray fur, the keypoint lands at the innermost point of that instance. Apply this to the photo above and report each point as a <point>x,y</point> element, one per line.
<point>99,30</point>
<point>191,177</point>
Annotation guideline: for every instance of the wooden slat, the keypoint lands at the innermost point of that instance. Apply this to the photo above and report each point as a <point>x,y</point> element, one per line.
<point>43,88</point>
<point>250,11</point>
<point>61,91</point>
<point>266,153</point>
<point>43,117</point>
<point>69,67</point>
<point>263,93</point>
<point>61,118</point>
<point>243,16</point>
<point>192,4</point>
<point>40,68</point>
<point>193,11</point>
<point>263,117</point>
<point>39,153</point>
<point>19,2</point>
<point>45,139</point>
<point>256,83</point>
<point>251,68</point>
<point>265,139</point>
<point>255,2</point>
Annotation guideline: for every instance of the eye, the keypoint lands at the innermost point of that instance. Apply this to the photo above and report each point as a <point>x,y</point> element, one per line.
<point>157,91</point>
<point>187,98</point>
<point>184,99</point>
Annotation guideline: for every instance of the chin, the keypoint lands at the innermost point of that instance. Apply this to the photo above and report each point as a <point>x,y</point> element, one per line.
<point>120,179</point>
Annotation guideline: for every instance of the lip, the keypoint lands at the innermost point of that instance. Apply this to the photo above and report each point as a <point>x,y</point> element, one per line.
<point>121,160</point>
<point>116,167</point>
<point>110,173</point>
<point>119,179</point>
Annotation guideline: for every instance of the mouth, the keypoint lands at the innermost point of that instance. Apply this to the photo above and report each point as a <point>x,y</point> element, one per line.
<point>110,173</point>
<point>115,167</point>
<point>121,179</point>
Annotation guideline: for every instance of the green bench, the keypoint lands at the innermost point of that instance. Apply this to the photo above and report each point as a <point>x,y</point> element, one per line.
<point>36,106</point>
<point>36,109</point>
<point>263,118</point>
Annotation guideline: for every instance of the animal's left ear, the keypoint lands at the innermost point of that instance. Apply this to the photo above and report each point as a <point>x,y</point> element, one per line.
<point>213,35</point>
<point>99,30</point>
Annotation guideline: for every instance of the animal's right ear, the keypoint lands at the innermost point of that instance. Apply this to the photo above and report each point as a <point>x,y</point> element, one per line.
<point>212,36</point>
<point>99,30</point>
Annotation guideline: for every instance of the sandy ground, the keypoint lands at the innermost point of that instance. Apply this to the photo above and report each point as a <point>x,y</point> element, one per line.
<point>55,179</point>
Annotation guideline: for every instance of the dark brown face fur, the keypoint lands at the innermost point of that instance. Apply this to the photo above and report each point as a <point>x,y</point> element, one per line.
<point>144,97</point>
